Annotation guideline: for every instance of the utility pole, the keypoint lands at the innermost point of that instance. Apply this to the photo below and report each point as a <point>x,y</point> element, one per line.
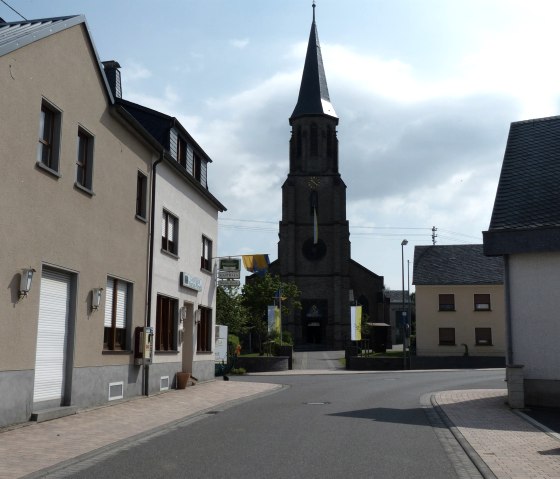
<point>434,235</point>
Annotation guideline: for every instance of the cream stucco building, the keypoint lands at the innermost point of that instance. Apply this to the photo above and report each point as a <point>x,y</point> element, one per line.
<point>459,301</point>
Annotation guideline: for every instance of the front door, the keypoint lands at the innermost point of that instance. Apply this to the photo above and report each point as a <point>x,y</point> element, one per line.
<point>52,337</point>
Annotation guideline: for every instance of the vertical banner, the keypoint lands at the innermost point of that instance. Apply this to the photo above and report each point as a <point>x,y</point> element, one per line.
<point>277,320</point>
<point>271,318</point>
<point>355,323</point>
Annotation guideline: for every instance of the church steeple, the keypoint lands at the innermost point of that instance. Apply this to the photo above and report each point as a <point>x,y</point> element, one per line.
<point>313,96</point>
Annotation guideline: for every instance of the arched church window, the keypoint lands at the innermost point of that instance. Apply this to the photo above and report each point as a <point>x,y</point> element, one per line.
<point>298,141</point>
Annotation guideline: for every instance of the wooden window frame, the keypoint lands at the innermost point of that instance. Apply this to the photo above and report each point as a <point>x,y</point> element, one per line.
<point>166,323</point>
<point>182,152</point>
<point>481,338</point>
<point>206,256</point>
<point>48,150</point>
<point>446,302</point>
<point>482,302</point>
<point>169,245</point>
<point>84,160</point>
<point>204,330</point>
<point>116,339</point>
<point>445,341</point>
<point>141,196</point>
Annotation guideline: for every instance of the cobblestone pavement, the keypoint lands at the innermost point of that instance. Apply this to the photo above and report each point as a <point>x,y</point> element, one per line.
<point>500,442</point>
<point>509,443</point>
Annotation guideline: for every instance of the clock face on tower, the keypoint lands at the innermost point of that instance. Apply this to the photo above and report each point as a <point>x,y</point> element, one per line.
<point>314,251</point>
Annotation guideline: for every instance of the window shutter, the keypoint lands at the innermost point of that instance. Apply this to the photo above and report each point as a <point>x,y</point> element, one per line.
<point>121,305</point>
<point>190,159</point>
<point>109,302</point>
<point>170,228</point>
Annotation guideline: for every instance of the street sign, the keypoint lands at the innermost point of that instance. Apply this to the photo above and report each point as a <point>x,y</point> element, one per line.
<point>229,274</point>
<point>230,264</point>
<point>229,282</point>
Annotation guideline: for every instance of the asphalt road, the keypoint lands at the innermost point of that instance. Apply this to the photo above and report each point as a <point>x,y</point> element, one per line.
<point>318,426</point>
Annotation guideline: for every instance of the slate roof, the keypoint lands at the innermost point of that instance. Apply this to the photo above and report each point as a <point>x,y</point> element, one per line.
<point>528,193</point>
<point>313,96</point>
<point>526,214</point>
<point>396,296</point>
<point>456,265</point>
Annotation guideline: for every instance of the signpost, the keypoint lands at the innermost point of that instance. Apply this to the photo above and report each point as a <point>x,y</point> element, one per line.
<point>229,272</point>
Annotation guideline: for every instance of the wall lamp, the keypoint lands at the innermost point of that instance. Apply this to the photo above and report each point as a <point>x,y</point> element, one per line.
<point>25,282</point>
<point>96,298</point>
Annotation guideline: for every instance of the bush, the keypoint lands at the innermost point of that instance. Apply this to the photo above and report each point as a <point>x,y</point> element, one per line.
<point>233,342</point>
<point>287,338</point>
<point>238,371</point>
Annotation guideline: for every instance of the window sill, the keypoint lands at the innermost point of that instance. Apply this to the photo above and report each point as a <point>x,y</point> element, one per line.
<point>171,351</point>
<point>447,310</point>
<point>205,353</point>
<point>454,344</point>
<point>48,170</point>
<point>204,270</point>
<point>141,218</point>
<point>169,253</point>
<point>83,189</point>
<point>117,352</point>
<point>484,345</point>
<point>482,310</point>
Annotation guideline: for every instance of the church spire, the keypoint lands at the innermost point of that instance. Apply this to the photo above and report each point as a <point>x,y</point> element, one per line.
<point>313,96</point>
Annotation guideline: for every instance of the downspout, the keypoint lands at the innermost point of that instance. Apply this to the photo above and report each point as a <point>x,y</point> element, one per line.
<point>509,335</point>
<point>148,316</point>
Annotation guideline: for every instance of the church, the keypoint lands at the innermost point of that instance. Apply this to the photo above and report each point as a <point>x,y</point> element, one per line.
<point>314,234</point>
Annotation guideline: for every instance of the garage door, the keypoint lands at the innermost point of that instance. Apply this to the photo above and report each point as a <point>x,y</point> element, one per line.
<point>50,362</point>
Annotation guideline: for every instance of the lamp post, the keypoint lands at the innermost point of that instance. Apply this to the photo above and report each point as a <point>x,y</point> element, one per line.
<point>403,312</point>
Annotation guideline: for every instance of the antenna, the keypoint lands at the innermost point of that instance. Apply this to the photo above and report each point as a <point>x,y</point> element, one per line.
<point>434,235</point>
<point>11,8</point>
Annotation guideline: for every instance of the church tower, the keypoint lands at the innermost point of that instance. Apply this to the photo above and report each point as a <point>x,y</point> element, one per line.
<point>314,237</point>
<point>314,244</point>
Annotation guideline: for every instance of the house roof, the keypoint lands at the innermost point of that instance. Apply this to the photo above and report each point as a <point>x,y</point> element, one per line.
<point>15,35</point>
<point>526,214</point>
<point>396,296</point>
<point>313,96</point>
<point>456,265</point>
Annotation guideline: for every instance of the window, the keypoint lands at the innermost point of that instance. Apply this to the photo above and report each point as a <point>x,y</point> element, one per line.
<point>447,302</point>
<point>84,160</point>
<point>482,302</point>
<point>204,330</point>
<point>182,152</point>
<point>166,320</point>
<point>169,226</point>
<point>49,137</point>
<point>117,306</point>
<point>447,336</point>
<point>141,195</point>
<point>197,167</point>
<point>206,258</point>
<point>483,336</point>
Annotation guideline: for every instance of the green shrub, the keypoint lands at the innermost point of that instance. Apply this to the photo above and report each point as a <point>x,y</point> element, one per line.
<point>238,371</point>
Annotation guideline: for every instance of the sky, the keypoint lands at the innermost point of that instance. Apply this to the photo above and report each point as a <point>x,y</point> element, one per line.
<point>425,91</point>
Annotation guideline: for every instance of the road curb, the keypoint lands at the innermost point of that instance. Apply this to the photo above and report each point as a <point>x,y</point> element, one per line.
<point>479,463</point>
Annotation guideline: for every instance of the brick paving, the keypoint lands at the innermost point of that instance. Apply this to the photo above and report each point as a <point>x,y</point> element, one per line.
<point>37,446</point>
<point>509,445</point>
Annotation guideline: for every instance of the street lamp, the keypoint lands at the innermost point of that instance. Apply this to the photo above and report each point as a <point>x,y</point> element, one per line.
<point>403,312</point>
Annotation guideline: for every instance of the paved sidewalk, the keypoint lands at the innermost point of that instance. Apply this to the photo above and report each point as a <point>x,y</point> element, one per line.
<point>37,446</point>
<point>507,442</point>
<point>502,443</point>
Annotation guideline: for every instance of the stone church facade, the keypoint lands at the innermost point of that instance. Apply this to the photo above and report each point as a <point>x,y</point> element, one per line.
<point>314,236</point>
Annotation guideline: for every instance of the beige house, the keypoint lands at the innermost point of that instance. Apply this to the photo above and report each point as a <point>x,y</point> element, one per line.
<point>74,194</point>
<point>459,301</point>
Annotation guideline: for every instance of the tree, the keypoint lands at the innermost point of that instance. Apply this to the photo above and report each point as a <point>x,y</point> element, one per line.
<point>260,292</point>
<point>230,310</point>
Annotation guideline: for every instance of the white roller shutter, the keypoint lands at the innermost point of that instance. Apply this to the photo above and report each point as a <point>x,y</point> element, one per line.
<point>52,335</point>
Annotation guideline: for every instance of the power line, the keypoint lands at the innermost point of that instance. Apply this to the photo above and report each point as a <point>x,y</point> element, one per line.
<point>13,9</point>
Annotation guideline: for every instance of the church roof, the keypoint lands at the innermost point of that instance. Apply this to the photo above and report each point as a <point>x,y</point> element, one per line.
<point>313,96</point>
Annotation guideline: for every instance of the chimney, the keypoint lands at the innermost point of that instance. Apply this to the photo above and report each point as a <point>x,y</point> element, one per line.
<point>113,75</point>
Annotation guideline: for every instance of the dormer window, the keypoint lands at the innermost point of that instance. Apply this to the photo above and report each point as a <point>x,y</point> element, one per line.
<point>182,152</point>
<point>197,166</point>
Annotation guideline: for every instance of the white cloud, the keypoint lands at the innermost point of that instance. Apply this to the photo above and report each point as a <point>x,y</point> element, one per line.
<point>133,71</point>
<point>239,43</point>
